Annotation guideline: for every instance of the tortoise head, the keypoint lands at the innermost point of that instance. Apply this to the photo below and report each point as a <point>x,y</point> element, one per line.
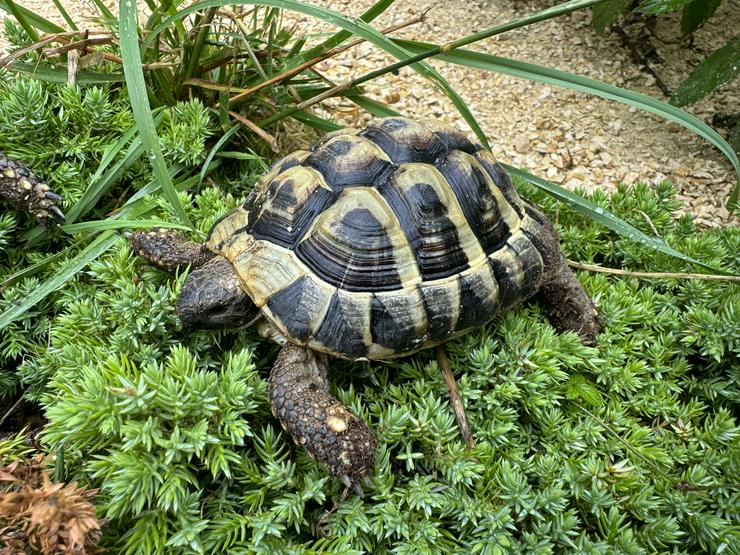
<point>212,297</point>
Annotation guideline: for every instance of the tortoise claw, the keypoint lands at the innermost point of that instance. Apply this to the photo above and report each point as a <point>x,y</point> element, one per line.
<point>358,489</point>
<point>51,195</point>
<point>26,191</point>
<point>56,214</point>
<point>353,484</point>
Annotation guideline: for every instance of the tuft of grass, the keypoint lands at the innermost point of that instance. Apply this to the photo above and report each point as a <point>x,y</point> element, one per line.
<point>628,446</point>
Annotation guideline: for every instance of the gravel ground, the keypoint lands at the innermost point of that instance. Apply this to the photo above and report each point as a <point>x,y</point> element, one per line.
<point>571,138</point>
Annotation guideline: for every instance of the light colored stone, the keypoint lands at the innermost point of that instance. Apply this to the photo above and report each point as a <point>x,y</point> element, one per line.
<point>521,143</point>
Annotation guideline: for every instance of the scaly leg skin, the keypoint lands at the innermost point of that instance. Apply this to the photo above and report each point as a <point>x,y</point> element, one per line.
<point>168,250</point>
<point>328,430</point>
<point>26,191</point>
<point>568,305</point>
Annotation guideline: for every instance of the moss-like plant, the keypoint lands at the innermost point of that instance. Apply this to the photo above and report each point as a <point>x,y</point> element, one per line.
<point>626,447</point>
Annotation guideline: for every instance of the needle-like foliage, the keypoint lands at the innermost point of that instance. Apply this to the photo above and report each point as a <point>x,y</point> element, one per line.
<point>626,447</point>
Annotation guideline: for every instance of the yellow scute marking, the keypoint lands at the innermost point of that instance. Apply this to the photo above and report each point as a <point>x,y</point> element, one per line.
<point>408,175</point>
<point>224,230</point>
<point>266,269</point>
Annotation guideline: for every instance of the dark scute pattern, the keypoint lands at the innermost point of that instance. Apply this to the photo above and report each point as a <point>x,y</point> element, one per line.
<point>403,151</point>
<point>527,253</point>
<point>530,253</point>
<point>431,234</point>
<point>268,218</point>
<point>337,331</point>
<point>508,289</point>
<point>340,169</point>
<point>295,306</point>
<point>356,254</point>
<point>477,202</point>
<point>456,141</point>
<point>287,163</point>
<point>475,309</point>
<point>392,324</point>
<point>437,303</point>
<point>502,181</point>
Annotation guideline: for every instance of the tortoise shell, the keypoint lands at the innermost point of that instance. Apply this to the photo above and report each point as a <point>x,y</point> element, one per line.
<point>376,243</point>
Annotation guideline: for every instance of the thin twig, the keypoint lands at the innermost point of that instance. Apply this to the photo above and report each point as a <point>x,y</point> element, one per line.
<point>328,54</point>
<point>457,404</point>
<point>10,410</point>
<point>258,130</point>
<point>652,275</point>
<point>437,50</point>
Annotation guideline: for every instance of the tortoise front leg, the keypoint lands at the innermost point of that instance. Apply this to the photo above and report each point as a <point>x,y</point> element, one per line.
<point>326,428</point>
<point>168,250</point>
<point>26,191</point>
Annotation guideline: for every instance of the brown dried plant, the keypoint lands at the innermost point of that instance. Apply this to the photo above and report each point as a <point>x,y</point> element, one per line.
<point>39,516</point>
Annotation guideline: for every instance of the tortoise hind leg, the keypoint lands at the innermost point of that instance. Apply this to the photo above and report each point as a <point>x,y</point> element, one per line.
<point>326,428</point>
<point>568,305</point>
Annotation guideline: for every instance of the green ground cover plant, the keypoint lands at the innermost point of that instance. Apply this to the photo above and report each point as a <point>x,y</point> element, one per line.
<point>630,446</point>
<point>627,447</point>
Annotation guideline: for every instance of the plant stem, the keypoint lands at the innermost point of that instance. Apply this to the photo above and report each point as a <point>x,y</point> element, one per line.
<point>457,404</point>
<point>326,55</point>
<point>442,49</point>
<point>652,275</point>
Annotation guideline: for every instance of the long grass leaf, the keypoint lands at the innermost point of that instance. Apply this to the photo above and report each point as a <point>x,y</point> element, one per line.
<point>338,38</point>
<point>533,72</point>
<point>63,12</point>
<point>28,271</point>
<point>61,76</point>
<point>39,22</point>
<point>19,16</point>
<point>312,120</point>
<point>140,104</point>
<point>104,11</point>
<point>101,225</point>
<point>605,218</point>
<point>225,138</point>
<point>99,245</point>
<point>350,24</point>
<point>102,180</point>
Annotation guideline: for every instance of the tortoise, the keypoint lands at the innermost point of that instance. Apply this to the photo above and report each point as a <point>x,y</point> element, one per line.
<point>26,191</point>
<point>372,244</point>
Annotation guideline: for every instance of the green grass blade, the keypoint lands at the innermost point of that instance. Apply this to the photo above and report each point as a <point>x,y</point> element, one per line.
<point>604,217</point>
<point>104,11</point>
<point>489,62</point>
<point>19,16</point>
<point>338,38</point>
<point>225,138</point>
<point>60,75</point>
<point>28,271</point>
<point>350,24</point>
<point>140,105</point>
<point>33,19</point>
<point>101,225</point>
<point>102,180</point>
<point>377,109</point>
<point>65,15</point>
<point>99,245</point>
<point>322,124</point>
